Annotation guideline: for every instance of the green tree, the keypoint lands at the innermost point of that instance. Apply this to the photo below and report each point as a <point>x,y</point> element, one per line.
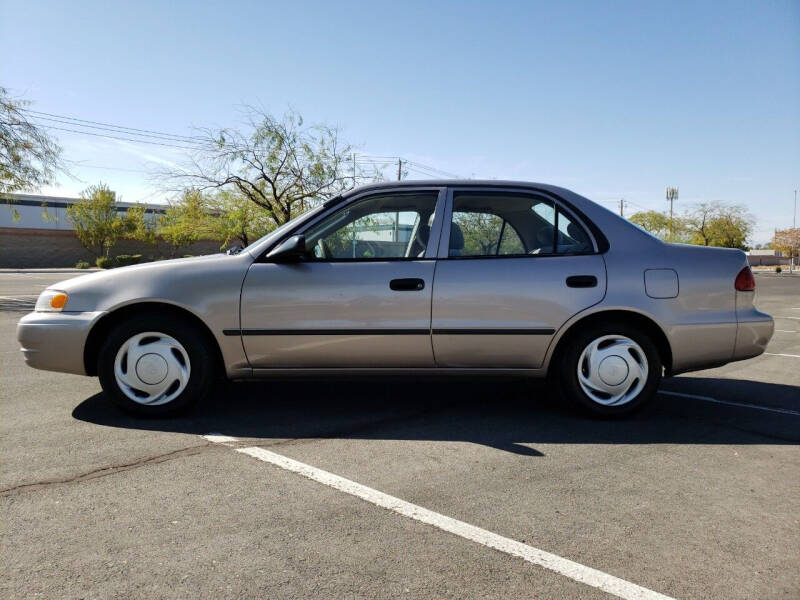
<point>97,220</point>
<point>141,227</point>
<point>652,221</point>
<point>718,224</point>
<point>787,241</point>
<point>29,157</point>
<point>482,232</point>
<point>234,218</point>
<point>185,221</point>
<point>280,164</point>
<point>706,224</point>
<point>659,225</point>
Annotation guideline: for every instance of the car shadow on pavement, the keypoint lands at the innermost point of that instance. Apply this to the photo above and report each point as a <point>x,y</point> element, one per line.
<point>509,416</point>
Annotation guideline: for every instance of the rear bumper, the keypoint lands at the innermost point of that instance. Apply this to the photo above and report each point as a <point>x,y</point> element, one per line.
<point>55,341</point>
<point>753,333</point>
<point>705,346</point>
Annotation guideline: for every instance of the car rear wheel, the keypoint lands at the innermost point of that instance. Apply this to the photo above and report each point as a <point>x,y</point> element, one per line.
<point>152,365</point>
<point>610,369</point>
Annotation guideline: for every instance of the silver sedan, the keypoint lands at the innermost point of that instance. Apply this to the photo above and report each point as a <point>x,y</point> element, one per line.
<point>455,277</point>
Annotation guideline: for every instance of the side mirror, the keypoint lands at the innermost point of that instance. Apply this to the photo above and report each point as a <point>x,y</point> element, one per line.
<point>290,250</point>
<point>235,249</point>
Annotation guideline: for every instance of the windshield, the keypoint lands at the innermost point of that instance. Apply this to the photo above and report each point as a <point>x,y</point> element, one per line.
<point>288,225</point>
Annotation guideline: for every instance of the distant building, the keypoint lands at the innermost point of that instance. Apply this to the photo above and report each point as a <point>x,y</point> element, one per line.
<point>768,257</point>
<point>43,236</point>
<point>50,212</point>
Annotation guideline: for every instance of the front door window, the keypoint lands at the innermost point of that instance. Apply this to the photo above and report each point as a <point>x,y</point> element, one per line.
<point>394,226</point>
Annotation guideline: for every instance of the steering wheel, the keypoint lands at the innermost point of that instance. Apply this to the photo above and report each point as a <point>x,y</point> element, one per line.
<point>321,250</point>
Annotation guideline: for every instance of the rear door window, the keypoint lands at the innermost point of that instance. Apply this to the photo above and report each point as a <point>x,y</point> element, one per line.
<point>502,224</point>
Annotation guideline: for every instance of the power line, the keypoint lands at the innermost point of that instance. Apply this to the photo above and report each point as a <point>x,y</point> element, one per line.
<point>183,142</point>
<point>171,135</point>
<point>636,205</point>
<point>82,166</point>
<point>416,167</point>
<point>433,169</point>
<point>113,137</point>
<point>149,135</point>
<point>421,172</point>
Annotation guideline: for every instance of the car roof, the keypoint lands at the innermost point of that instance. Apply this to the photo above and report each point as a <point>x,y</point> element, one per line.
<point>411,183</point>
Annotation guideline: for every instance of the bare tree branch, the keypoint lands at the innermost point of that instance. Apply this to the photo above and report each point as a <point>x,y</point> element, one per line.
<point>276,163</point>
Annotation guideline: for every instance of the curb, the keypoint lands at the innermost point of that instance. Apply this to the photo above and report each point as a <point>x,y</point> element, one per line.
<point>45,270</point>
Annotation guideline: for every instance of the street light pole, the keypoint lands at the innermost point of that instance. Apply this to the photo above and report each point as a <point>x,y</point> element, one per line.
<point>794,232</point>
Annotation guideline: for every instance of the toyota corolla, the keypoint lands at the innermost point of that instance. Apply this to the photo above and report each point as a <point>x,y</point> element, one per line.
<point>455,277</point>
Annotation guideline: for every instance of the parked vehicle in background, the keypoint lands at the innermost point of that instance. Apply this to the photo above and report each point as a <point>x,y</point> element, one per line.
<point>464,277</point>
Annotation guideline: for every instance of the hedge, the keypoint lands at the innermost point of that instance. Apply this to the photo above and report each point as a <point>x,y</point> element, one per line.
<point>123,260</point>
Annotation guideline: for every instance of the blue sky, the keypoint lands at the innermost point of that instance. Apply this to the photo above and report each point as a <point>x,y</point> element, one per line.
<point>611,99</point>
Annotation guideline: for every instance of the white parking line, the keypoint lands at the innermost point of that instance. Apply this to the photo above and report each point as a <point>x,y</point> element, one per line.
<point>563,566</point>
<point>786,330</point>
<point>220,439</point>
<point>779,354</point>
<point>784,411</point>
<point>786,317</point>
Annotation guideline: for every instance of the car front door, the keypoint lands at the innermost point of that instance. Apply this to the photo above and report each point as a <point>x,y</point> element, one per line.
<point>514,266</point>
<point>361,297</point>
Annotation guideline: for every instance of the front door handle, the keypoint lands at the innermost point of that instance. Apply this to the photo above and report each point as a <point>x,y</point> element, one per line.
<point>581,281</point>
<point>407,285</point>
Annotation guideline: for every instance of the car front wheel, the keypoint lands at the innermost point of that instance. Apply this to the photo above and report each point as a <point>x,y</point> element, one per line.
<point>610,369</point>
<point>153,365</point>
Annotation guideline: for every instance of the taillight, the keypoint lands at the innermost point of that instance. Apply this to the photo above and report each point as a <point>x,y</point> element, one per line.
<point>745,282</point>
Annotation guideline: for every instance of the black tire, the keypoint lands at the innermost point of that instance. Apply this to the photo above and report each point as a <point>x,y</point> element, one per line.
<point>567,369</point>
<point>202,374</point>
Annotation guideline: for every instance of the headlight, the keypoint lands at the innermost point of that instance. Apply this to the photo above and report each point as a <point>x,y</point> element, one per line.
<point>51,301</point>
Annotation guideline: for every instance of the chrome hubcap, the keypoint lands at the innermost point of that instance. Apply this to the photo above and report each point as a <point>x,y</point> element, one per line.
<point>612,370</point>
<point>152,368</point>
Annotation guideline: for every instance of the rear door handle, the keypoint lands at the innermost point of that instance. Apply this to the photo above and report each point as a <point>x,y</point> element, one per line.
<point>407,285</point>
<point>581,281</point>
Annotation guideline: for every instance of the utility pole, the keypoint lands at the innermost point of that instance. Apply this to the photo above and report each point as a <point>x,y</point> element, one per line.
<point>397,214</point>
<point>621,206</point>
<point>672,195</point>
<point>354,169</point>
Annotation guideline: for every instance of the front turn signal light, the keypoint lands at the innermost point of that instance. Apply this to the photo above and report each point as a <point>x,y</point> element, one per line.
<point>51,301</point>
<point>58,301</point>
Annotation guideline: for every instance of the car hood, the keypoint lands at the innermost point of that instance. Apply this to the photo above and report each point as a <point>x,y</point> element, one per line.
<point>159,280</point>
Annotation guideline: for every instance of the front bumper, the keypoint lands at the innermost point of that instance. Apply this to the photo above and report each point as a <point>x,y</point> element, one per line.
<point>54,341</point>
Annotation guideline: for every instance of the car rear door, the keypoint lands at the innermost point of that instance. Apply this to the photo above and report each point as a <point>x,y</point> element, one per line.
<point>361,299</point>
<point>513,267</point>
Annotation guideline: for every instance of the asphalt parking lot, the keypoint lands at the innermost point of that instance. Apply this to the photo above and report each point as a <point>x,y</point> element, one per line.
<point>697,496</point>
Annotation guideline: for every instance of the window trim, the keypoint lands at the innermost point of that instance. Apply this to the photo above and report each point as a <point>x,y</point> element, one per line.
<point>599,246</point>
<point>433,239</point>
